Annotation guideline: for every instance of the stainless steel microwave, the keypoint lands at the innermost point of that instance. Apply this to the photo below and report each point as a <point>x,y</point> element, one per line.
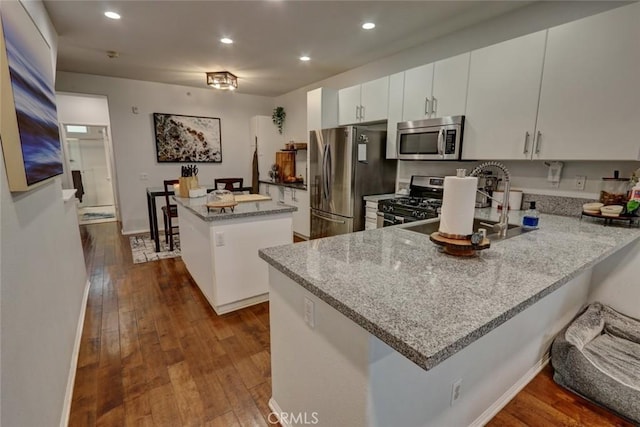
<point>431,139</point>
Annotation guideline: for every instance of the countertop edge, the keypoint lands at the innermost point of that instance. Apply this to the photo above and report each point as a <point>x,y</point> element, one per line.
<point>411,353</point>
<point>296,186</point>
<point>228,216</point>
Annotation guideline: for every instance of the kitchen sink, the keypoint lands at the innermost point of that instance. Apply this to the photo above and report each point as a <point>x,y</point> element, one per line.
<point>512,229</point>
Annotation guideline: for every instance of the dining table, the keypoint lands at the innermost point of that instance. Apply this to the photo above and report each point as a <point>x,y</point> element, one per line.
<point>152,193</point>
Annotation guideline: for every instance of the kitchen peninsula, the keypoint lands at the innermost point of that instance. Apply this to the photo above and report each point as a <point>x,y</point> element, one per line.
<point>220,249</point>
<point>380,328</point>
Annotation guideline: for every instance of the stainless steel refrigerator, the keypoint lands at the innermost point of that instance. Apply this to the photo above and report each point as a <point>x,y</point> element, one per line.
<point>345,164</point>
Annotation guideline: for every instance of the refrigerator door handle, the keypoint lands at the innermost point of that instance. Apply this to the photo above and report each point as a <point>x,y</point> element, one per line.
<point>329,170</point>
<point>325,187</point>
<point>327,218</point>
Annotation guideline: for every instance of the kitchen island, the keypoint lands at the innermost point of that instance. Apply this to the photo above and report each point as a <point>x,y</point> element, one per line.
<point>380,328</point>
<point>220,249</point>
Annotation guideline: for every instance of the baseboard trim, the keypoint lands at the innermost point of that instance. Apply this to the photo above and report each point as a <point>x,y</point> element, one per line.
<point>276,410</point>
<point>502,401</point>
<point>233,306</point>
<point>66,408</point>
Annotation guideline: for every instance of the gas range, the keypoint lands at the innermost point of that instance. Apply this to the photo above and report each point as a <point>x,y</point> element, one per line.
<point>424,201</point>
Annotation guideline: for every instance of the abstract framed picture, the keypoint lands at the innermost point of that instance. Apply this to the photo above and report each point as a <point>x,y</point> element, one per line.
<point>28,117</point>
<point>187,138</point>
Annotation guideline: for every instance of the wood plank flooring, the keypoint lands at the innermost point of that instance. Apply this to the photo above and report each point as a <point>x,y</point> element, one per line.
<point>154,353</point>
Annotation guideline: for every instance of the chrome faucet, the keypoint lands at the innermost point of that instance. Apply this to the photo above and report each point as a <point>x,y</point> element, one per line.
<point>502,225</point>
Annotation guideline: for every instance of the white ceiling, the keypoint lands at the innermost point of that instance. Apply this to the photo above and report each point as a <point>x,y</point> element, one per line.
<point>176,42</point>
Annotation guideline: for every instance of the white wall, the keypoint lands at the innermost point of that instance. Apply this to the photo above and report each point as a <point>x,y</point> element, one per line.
<point>42,278</point>
<point>134,142</point>
<point>528,19</point>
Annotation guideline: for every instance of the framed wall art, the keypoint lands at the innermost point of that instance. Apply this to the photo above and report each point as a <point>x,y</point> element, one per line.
<point>187,138</point>
<point>28,116</point>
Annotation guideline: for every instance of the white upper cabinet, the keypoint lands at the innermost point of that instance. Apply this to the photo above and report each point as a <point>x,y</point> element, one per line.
<point>367,102</point>
<point>436,90</point>
<point>418,85</point>
<point>450,78</point>
<point>502,101</point>
<point>396,88</point>
<point>590,97</point>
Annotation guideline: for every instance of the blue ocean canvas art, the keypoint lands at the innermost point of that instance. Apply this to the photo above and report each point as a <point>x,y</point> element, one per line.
<point>31,73</point>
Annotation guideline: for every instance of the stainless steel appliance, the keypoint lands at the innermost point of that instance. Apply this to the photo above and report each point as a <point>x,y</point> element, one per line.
<point>424,201</point>
<point>431,139</point>
<point>487,184</point>
<point>346,164</point>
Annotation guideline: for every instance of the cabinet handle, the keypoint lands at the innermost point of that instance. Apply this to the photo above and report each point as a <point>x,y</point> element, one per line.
<point>426,106</point>
<point>537,144</point>
<point>362,112</point>
<point>526,143</point>
<point>357,112</point>
<point>434,105</point>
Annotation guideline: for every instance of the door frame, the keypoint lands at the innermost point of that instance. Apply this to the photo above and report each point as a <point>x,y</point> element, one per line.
<point>110,158</point>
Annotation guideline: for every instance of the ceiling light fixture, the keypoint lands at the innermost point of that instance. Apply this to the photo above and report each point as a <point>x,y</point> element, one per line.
<point>368,26</point>
<point>226,40</point>
<point>112,15</point>
<point>305,58</point>
<point>223,80</point>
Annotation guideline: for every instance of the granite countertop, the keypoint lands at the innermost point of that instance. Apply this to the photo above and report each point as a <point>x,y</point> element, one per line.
<point>378,197</point>
<point>427,305</point>
<point>296,185</point>
<point>197,205</point>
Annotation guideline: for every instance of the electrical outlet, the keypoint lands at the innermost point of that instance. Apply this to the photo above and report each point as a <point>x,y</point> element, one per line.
<point>580,182</point>
<point>309,313</point>
<point>144,176</point>
<point>455,391</point>
<point>219,238</point>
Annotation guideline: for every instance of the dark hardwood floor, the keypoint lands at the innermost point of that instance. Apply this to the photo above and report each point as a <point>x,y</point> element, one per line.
<point>154,353</point>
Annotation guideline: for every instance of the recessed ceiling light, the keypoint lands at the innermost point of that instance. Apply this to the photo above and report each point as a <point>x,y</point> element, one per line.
<point>112,15</point>
<point>305,58</point>
<point>368,26</point>
<point>226,40</point>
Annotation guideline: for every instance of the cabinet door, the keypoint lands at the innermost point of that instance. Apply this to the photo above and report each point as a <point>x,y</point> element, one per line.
<point>374,100</point>
<point>590,97</point>
<point>349,105</point>
<point>394,114</point>
<point>303,222</point>
<point>502,103</point>
<point>450,78</point>
<point>418,84</point>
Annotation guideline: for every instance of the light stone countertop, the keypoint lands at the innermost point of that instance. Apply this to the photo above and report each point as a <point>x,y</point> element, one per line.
<point>427,305</point>
<point>197,205</point>
<point>378,197</point>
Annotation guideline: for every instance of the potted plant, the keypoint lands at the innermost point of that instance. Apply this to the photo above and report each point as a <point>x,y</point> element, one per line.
<point>278,117</point>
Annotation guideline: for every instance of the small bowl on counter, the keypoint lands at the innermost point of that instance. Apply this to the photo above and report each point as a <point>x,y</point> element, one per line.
<point>592,208</point>
<point>611,210</point>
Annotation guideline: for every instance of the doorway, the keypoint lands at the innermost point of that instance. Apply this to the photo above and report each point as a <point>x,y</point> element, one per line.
<point>89,172</point>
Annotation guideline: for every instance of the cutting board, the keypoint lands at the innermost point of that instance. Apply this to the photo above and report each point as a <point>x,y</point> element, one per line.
<point>286,161</point>
<point>242,198</point>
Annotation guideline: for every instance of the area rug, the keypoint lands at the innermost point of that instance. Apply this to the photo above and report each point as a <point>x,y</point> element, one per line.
<point>143,249</point>
<point>97,215</point>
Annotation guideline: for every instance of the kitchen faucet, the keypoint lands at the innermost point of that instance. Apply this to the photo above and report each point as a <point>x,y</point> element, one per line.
<point>502,225</point>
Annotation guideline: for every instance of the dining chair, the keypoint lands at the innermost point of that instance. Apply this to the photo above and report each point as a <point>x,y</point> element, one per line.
<point>169,211</point>
<point>231,184</point>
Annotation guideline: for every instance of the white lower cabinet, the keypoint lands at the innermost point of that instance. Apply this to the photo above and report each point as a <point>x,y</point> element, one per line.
<point>293,197</point>
<point>370,215</point>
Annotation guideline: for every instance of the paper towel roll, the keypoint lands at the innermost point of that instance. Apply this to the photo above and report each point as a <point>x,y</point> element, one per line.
<point>458,206</point>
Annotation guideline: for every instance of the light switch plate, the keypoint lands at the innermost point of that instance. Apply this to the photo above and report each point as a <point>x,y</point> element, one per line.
<point>219,238</point>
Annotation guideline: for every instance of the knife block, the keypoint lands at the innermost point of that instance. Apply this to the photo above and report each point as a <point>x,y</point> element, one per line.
<point>186,184</point>
<point>286,161</point>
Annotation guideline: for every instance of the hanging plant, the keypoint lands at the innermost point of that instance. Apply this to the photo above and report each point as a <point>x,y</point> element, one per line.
<point>278,117</point>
